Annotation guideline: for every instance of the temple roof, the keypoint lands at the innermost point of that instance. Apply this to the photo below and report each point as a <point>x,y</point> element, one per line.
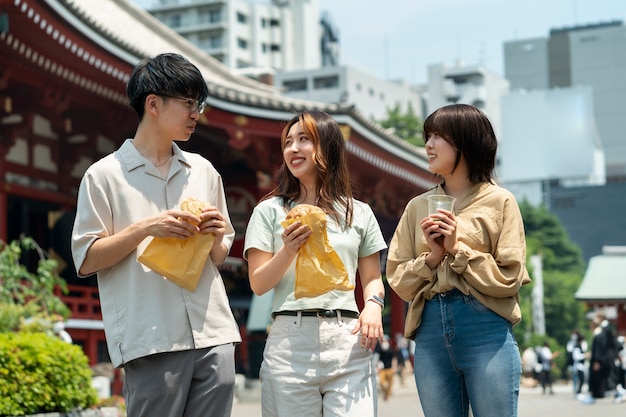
<point>131,33</point>
<point>605,279</point>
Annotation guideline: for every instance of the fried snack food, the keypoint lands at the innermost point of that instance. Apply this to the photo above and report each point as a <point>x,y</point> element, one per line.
<point>193,205</point>
<point>319,268</point>
<point>302,210</point>
<point>180,260</point>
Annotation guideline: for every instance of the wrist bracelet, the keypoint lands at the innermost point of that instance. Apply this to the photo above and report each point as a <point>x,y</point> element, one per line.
<point>377,300</point>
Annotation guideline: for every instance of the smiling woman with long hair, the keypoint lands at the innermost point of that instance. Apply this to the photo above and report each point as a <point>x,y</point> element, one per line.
<point>318,356</point>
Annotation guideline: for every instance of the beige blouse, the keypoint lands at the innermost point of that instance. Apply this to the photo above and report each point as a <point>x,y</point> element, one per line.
<point>490,264</point>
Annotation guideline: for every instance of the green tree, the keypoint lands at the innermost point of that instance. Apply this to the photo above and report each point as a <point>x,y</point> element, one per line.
<point>547,236</point>
<point>407,126</point>
<point>563,270</point>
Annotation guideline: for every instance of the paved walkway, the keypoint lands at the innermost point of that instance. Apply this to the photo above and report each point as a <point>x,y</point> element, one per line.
<point>404,401</point>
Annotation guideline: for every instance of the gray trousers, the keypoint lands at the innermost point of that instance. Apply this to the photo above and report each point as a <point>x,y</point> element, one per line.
<point>189,383</point>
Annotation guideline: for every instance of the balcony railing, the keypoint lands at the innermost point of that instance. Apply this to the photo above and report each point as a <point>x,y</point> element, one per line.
<point>82,301</point>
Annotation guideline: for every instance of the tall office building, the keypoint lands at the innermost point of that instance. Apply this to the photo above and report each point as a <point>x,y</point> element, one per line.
<point>592,55</point>
<point>255,38</point>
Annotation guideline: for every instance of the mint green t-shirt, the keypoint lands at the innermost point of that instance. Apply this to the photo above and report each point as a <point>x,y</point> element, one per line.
<point>364,238</point>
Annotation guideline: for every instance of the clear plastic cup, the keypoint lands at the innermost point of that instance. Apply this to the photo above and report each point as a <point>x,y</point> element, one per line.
<point>440,201</point>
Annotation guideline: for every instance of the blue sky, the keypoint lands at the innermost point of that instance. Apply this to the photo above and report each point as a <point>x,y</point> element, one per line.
<point>400,38</point>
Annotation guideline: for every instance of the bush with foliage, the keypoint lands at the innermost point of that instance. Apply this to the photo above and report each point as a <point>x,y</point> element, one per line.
<point>40,373</point>
<point>28,291</point>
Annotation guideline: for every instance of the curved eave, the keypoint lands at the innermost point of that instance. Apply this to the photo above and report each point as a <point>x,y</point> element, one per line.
<point>392,145</point>
<point>597,300</point>
<point>130,34</point>
<point>604,280</point>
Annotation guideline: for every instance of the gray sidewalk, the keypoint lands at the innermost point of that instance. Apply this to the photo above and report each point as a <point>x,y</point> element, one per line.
<point>405,401</point>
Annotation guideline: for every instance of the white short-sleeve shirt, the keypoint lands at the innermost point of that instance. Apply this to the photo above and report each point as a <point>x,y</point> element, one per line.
<point>142,312</point>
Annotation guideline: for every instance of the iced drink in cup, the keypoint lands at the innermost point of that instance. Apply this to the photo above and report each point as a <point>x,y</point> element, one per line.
<point>440,201</point>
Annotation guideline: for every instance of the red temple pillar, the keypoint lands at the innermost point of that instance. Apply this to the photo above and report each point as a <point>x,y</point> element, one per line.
<point>397,314</point>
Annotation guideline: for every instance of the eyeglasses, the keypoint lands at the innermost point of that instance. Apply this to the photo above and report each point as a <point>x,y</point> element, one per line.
<point>192,105</point>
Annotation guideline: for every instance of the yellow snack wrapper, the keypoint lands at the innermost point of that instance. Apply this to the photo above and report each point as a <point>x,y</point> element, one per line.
<point>180,260</point>
<point>319,268</point>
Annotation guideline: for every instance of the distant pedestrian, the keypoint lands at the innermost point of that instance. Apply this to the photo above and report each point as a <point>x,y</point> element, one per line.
<point>546,357</point>
<point>530,374</point>
<point>603,355</point>
<point>579,355</point>
<point>576,347</point>
<point>403,357</point>
<point>387,361</point>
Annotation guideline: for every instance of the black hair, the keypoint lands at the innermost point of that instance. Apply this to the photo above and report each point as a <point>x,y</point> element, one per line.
<point>470,132</point>
<point>167,74</point>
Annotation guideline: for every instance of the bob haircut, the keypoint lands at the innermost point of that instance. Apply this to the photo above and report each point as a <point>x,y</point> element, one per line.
<point>330,157</point>
<point>470,132</point>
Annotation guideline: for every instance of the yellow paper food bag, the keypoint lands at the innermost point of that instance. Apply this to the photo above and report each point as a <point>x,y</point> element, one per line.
<point>318,267</point>
<point>180,260</point>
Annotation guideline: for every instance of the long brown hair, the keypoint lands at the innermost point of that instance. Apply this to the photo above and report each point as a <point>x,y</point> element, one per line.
<point>329,155</point>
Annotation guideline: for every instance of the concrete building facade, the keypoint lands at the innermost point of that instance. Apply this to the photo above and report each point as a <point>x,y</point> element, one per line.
<point>371,95</point>
<point>591,55</point>
<point>467,84</point>
<point>255,37</point>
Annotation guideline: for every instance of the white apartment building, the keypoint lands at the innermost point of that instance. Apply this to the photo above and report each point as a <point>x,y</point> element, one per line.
<point>370,95</point>
<point>254,37</point>
<point>591,55</point>
<point>467,84</point>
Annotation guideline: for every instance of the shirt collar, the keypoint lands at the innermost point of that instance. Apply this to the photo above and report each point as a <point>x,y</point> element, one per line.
<point>132,159</point>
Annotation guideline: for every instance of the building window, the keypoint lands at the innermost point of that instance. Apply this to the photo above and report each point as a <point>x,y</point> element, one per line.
<point>296,85</point>
<point>242,18</point>
<point>564,202</point>
<point>263,22</point>
<point>371,92</point>
<point>274,47</point>
<point>242,43</point>
<point>242,64</point>
<point>382,96</point>
<point>587,39</point>
<point>215,41</point>
<point>174,21</point>
<point>210,42</point>
<point>326,82</point>
<point>215,16</point>
<point>264,47</point>
<point>358,86</point>
<point>479,104</point>
<point>274,22</point>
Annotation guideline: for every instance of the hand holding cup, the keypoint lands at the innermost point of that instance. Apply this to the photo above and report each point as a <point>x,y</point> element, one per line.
<point>440,201</point>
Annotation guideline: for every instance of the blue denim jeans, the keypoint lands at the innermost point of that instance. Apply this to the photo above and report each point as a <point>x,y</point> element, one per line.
<point>465,354</point>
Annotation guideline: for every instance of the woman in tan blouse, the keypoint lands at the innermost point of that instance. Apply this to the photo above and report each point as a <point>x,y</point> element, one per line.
<point>461,271</point>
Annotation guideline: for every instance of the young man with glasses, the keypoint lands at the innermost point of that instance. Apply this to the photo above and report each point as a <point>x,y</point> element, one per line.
<point>176,346</point>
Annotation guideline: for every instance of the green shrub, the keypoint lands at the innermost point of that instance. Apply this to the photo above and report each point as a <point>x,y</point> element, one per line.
<point>13,315</point>
<point>42,374</point>
<point>34,285</point>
